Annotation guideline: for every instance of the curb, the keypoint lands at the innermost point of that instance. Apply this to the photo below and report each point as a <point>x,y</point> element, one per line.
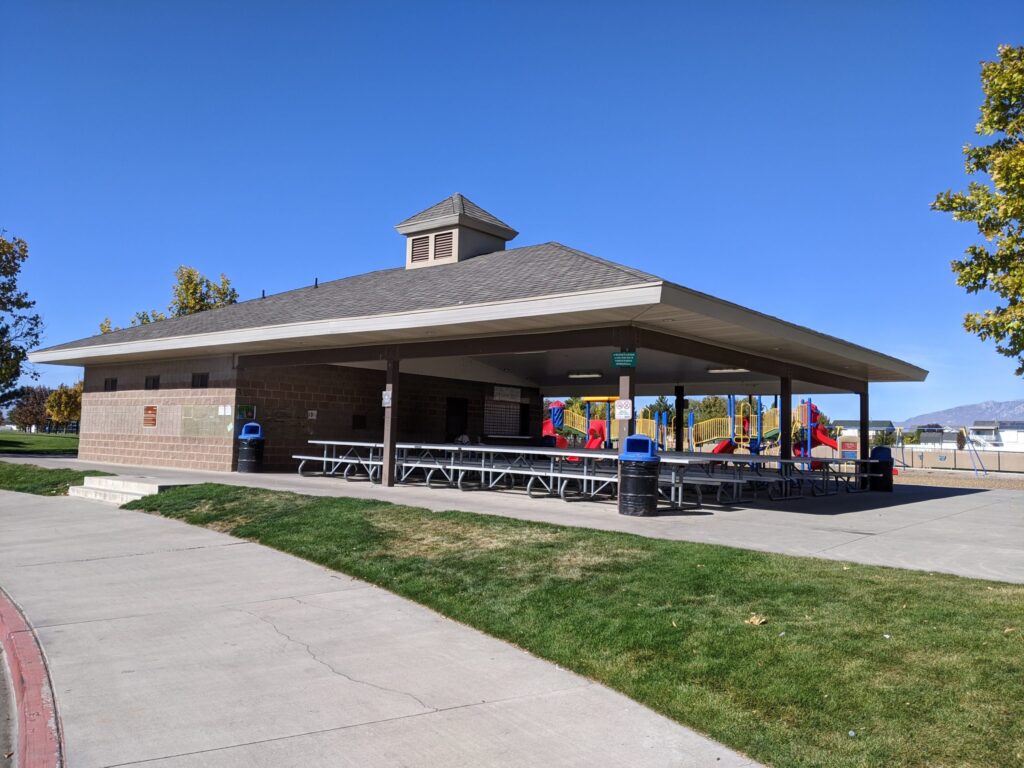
<point>39,737</point>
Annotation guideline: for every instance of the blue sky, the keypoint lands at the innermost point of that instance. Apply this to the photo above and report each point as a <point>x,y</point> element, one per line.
<point>780,155</point>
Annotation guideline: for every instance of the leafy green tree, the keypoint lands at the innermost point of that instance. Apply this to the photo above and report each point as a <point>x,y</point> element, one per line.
<point>711,407</point>
<point>30,407</point>
<point>19,327</point>
<point>192,292</point>
<point>883,438</point>
<point>996,207</point>
<point>64,404</point>
<point>660,405</point>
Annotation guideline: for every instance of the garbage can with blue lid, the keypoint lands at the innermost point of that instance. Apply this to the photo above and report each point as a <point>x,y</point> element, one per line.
<point>638,477</point>
<point>250,447</point>
<point>881,469</point>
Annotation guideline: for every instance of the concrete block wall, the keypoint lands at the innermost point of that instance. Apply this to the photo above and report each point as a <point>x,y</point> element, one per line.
<point>346,402</point>
<point>992,461</point>
<point>196,428</point>
<point>193,430</point>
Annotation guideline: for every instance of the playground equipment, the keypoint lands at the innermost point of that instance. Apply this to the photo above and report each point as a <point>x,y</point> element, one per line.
<point>812,432</point>
<point>747,425</point>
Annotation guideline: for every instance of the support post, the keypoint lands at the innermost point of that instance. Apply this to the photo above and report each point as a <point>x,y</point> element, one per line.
<point>390,425</point>
<point>680,425</point>
<point>785,418</point>
<point>865,422</point>
<point>626,392</point>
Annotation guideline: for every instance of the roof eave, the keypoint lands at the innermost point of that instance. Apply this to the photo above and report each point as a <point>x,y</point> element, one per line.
<point>456,220</point>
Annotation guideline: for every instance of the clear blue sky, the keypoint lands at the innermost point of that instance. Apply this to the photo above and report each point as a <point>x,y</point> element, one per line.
<point>780,155</point>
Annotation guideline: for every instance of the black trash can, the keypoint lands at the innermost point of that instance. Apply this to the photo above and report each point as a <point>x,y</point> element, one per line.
<point>881,469</point>
<point>638,477</point>
<point>250,448</point>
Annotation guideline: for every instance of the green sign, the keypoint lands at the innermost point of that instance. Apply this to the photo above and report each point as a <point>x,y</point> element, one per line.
<point>623,359</point>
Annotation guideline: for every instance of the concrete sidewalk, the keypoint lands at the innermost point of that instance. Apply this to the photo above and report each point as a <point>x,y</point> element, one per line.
<point>967,532</point>
<point>173,645</point>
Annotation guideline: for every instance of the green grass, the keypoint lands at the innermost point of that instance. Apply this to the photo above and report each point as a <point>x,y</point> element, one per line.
<point>22,442</point>
<point>28,478</point>
<point>924,668</point>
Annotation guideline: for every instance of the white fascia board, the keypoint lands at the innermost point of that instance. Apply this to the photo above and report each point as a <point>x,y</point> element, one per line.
<point>639,296</point>
<point>705,304</point>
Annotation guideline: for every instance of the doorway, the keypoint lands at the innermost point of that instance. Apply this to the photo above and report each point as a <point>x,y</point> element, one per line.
<point>456,418</point>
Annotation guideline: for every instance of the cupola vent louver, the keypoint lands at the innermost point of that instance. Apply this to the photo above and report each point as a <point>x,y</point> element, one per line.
<point>453,230</point>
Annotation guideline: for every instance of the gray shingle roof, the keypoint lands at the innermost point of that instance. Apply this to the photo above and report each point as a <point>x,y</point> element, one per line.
<point>454,206</point>
<point>519,273</point>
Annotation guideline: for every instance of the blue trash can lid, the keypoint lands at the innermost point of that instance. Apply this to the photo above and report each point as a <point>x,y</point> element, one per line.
<point>639,448</point>
<point>251,431</point>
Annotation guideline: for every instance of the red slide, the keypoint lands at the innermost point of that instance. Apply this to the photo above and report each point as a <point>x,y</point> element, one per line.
<point>820,437</point>
<point>726,446</point>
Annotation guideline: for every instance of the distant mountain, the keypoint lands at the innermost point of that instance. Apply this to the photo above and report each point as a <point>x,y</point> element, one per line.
<point>966,415</point>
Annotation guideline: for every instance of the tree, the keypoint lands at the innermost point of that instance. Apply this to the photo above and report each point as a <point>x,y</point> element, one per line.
<point>192,292</point>
<point>996,207</point>
<point>30,407</point>
<point>64,404</point>
<point>660,405</point>
<point>884,438</point>
<point>711,407</point>
<point>19,328</point>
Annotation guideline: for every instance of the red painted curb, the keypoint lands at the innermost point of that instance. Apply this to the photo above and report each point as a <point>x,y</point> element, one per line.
<point>40,743</point>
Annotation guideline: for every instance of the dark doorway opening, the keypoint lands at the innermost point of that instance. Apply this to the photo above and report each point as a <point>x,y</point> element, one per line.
<point>456,418</point>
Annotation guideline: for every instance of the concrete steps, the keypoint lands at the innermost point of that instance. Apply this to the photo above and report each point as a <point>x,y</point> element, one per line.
<point>120,489</point>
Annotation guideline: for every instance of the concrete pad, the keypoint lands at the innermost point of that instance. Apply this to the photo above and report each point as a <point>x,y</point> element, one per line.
<point>562,729</point>
<point>181,645</point>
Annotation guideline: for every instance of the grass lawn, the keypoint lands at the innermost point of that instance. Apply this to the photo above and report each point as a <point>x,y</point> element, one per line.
<point>28,478</point>
<point>854,666</point>
<point>22,442</point>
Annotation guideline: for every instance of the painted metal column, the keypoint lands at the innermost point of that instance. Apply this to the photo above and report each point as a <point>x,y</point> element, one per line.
<point>786,418</point>
<point>680,426</point>
<point>390,424</point>
<point>627,391</point>
<point>865,422</point>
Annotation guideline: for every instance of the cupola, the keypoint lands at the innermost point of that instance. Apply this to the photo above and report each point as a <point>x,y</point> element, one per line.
<point>455,229</point>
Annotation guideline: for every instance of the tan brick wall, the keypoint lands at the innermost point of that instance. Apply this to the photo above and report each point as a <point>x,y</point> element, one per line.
<point>192,431</point>
<point>283,397</point>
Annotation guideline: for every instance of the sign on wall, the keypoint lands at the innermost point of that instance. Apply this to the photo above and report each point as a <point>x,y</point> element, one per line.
<point>385,398</point>
<point>149,416</point>
<point>623,410</point>
<point>508,394</point>
<point>623,359</point>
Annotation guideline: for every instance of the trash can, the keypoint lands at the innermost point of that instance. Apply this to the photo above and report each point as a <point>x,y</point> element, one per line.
<point>638,477</point>
<point>250,448</point>
<point>881,469</point>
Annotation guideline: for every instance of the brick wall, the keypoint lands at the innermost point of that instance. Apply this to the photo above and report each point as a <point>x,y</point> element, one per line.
<point>347,402</point>
<point>193,430</point>
<point>294,404</point>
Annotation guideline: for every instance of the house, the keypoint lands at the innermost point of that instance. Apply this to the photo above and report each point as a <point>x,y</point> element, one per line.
<point>999,435</point>
<point>851,427</point>
<point>464,337</point>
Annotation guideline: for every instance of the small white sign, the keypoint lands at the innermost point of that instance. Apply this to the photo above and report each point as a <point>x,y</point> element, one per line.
<point>311,415</point>
<point>508,394</point>
<point>623,410</point>
<point>385,398</point>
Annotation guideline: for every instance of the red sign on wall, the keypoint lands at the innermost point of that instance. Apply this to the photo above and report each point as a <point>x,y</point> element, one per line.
<point>849,445</point>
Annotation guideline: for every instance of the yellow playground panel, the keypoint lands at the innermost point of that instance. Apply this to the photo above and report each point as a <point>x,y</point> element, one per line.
<point>703,432</point>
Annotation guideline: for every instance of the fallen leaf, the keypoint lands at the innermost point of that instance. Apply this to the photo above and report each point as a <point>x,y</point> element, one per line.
<point>756,619</point>
<point>1008,630</point>
<point>674,624</point>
